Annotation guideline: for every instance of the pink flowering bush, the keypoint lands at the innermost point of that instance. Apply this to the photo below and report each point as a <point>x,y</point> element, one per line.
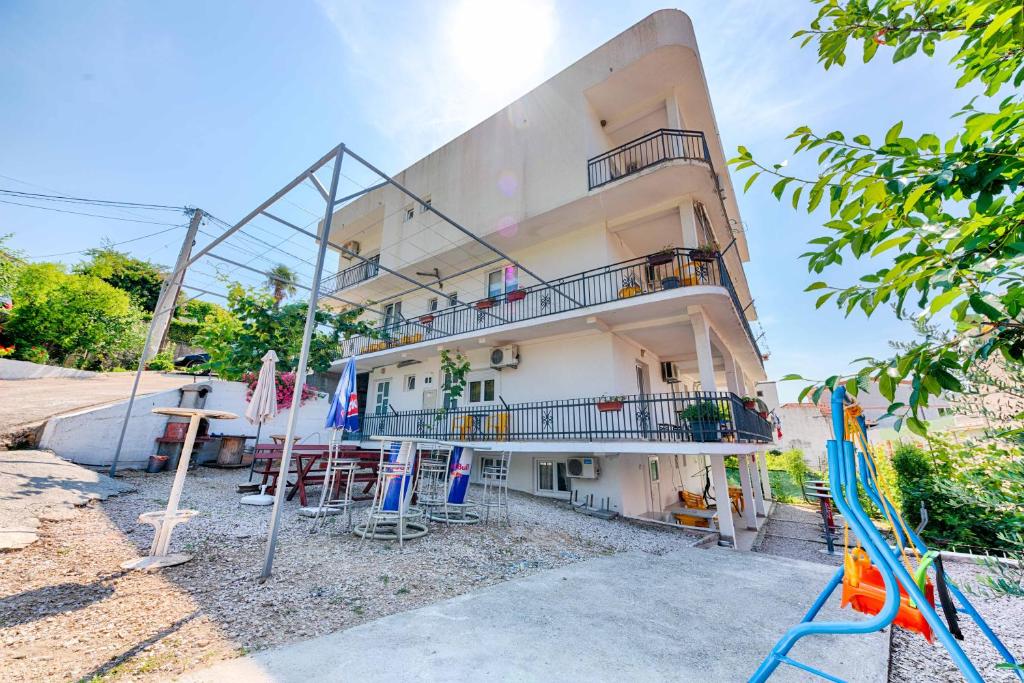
<point>284,386</point>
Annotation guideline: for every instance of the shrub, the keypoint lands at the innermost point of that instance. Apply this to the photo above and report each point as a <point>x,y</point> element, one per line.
<point>704,411</point>
<point>34,354</point>
<point>161,362</point>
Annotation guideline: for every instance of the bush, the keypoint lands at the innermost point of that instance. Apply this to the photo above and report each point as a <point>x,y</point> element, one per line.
<point>704,411</point>
<point>34,354</point>
<point>161,362</point>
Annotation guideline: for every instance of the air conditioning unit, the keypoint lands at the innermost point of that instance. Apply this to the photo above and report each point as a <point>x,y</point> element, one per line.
<point>583,468</point>
<point>504,357</point>
<point>669,373</point>
<point>351,250</point>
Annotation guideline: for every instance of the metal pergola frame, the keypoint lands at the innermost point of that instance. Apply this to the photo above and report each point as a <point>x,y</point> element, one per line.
<point>331,204</point>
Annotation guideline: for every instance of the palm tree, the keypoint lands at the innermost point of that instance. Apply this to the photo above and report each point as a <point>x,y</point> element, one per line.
<point>281,281</point>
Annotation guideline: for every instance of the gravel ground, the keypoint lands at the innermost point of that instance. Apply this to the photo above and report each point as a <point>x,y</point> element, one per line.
<point>912,658</point>
<point>68,612</point>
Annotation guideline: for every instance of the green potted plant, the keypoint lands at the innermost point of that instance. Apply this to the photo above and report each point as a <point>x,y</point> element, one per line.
<point>610,404</point>
<point>705,420</point>
<point>660,258</point>
<point>749,402</point>
<point>670,281</point>
<point>705,252</point>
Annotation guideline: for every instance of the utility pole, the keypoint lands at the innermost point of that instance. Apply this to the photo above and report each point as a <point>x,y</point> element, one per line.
<point>164,310</point>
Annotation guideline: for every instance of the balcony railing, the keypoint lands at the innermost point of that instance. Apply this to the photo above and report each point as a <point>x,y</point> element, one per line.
<point>636,277</point>
<point>361,271</point>
<point>661,145</point>
<point>704,417</point>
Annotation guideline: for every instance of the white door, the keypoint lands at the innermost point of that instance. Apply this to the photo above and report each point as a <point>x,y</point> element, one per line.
<point>552,477</point>
<point>654,477</point>
<point>381,397</point>
<point>429,399</point>
<point>643,379</point>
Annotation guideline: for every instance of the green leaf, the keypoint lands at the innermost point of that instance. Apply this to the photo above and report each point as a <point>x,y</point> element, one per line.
<point>790,377</point>
<point>750,181</point>
<point>852,387</point>
<point>984,308</point>
<point>917,426</point>
<point>942,300</point>
<point>894,133</point>
<point>780,187</point>
<point>906,49</point>
<point>913,196</point>
<point>999,22</point>
<point>816,285</point>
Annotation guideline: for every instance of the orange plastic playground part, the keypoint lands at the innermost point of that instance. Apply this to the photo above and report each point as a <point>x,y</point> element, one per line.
<point>864,591</point>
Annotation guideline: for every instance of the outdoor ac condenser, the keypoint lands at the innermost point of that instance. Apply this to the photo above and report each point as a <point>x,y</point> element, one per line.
<point>583,468</point>
<point>504,357</point>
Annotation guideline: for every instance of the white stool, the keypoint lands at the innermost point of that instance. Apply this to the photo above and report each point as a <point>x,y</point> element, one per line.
<point>495,494</point>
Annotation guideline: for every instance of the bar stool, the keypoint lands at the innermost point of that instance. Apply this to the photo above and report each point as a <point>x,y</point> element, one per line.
<point>390,517</point>
<point>432,476</point>
<point>336,495</point>
<point>495,494</point>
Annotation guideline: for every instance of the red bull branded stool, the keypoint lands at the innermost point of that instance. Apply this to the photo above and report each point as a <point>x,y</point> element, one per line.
<point>443,483</point>
<point>391,516</point>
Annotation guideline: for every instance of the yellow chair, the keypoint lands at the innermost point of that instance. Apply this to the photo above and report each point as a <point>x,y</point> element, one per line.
<point>695,501</point>
<point>462,425</point>
<point>689,275</point>
<point>497,424</point>
<point>736,496</point>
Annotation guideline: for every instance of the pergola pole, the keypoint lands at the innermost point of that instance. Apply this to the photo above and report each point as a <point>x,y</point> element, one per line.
<point>300,371</point>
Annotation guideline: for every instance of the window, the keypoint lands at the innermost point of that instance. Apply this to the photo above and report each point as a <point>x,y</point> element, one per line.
<point>425,206</point>
<point>705,233</point>
<point>655,474</point>
<point>453,299</point>
<point>481,391</point>
<point>502,281</point>
<point>428,380</point>
<point>551,477</point>
<point>432,304</point>
<point>409,213</point>
<point>381,397</point>
<point>392,314</point>
<point>410,382</point>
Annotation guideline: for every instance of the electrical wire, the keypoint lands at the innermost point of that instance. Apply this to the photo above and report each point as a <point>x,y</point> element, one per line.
<point>83,213</point>
<point>114,244</point>
<point>92,202</point>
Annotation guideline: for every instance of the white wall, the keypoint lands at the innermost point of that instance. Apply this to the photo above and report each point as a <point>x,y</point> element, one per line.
<point>804,427</point>
<point>89,437</point>
<point>20,369</point>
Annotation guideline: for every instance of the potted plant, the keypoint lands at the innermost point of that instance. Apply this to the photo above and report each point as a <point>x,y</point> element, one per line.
<point>749,402</point>
<point>704,418</point>
<point>630,286</point>
<point>484,304</point>
<point>670,281</point>
<point>660,258</point>
<point>516,295</point>
<point>610,404</point>
<point>704,253</point>
<point>427,319</point>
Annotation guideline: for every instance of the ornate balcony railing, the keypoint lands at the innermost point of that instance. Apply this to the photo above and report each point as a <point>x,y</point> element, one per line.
<point>361,271</point>
<point>704,417</point>
<point>664,144</point>
<point>636,277</point>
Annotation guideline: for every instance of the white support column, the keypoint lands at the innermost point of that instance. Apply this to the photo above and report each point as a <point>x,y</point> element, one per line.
<point>766,482</point>
<point>726,528</point>
<point>688,223</point>
<point>672,113</point>
<point>702,342</point>
<point>749,512</point>
<point>755,476</point>
<point>733,375</point>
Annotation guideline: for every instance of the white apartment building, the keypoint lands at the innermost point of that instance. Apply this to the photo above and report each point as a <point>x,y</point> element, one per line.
<point>615,375</point>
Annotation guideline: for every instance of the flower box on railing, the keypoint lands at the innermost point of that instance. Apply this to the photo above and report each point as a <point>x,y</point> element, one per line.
<point>516,295</point>
<point>484,304</point>
<point>426,319</point>
<point>609,406</point>
<point>661,258</point>
<point>704,255</point>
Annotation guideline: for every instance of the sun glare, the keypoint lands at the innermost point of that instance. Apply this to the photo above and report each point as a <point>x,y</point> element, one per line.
<point>501,46</point>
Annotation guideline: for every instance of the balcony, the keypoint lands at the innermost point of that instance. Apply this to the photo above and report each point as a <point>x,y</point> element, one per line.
<point>650,150</point>
<point>696,417</point>
<point>364,270</point>
<point>635,278</point>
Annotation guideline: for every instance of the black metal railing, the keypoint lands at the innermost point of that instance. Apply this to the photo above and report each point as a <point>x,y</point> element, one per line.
<point>661,145</point>
<point>636,277</point>
<point>704,417</point>
<point>361,271</point>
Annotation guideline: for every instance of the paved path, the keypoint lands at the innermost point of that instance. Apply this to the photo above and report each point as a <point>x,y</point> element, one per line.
<point>38,485</point>
<point>31,401</point>
<point>692,615</point>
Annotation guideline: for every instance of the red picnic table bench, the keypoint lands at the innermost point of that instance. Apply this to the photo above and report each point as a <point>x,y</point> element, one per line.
<point>308,463</point>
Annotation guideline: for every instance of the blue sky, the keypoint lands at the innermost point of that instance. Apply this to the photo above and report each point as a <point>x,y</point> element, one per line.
<point>218,104</point>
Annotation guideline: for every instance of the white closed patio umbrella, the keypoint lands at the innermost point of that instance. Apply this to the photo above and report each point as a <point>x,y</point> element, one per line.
<point>262,406</point>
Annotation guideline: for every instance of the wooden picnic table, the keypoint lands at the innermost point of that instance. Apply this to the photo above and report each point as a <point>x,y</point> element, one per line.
<point>308,464</point>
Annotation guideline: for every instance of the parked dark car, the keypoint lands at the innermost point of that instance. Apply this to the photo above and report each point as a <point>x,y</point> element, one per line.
<point>191,360</point>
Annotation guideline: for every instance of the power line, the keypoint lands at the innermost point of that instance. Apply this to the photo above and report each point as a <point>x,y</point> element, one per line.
<point>83,213</point>
<point>114,244</point>
<point>93,202</point>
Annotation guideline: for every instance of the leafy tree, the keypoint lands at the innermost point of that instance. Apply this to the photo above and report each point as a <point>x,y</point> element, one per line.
<point>253,322</point>
<point>281,280</point>
<point>142,280</point>
<point>189,320</point>
<point>10,263</point>
<point>940,221</point>
<point>73,318</point>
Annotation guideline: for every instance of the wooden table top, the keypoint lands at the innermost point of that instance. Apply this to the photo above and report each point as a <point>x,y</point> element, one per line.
<point>191,412</point>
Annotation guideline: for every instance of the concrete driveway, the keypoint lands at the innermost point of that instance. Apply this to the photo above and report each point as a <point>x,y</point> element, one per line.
<point>693,615</point>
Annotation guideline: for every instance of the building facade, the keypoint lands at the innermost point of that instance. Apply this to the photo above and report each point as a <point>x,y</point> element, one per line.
<point>608,330</point>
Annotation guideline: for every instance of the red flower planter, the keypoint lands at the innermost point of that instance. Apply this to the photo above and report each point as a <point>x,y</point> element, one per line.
<point>484,304</point>
<point>516,295</point>
<point>609,406</point>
